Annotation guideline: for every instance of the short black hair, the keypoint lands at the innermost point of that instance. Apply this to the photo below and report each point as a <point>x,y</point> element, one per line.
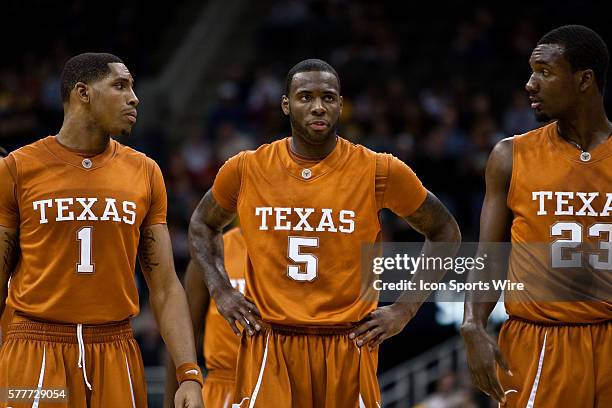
<point>86,68</point>
<point>3,152</point>
<point>583,49</point>
<point>310,65</point>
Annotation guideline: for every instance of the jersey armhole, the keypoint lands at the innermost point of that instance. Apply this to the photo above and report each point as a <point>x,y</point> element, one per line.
<point>149,179</point>
<point>382,160</point>
<point>11,165</point>
<point>509,198</point>
<point>241,177</point>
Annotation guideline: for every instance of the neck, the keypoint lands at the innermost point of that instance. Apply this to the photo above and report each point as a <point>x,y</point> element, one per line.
<point>587,127</point>
<point>311,151</point>
<point>82,135</point>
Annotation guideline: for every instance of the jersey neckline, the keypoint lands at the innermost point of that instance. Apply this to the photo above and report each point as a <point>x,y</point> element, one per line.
<point>571,152</point>
<point>309,171</point>
<point>82,161</point>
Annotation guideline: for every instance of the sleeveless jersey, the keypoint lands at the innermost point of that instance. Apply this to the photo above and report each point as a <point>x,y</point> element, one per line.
<point>304,225</point>
<point>560,202</point>
<point>79,221</point>
<point>220,342</point>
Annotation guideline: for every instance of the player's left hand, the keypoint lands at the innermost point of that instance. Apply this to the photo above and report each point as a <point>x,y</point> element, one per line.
<point>189,395</point>
<point>381,324</point>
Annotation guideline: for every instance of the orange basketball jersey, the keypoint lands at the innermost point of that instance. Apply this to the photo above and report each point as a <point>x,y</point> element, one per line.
<point>560,199</point>
<point>304,224</point>
<point>79,221</point>
<point>220,342</point>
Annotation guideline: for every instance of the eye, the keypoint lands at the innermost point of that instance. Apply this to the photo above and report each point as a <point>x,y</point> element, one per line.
<point>545,72</point>
<point>119,85</point>
<point>305,98</point>
<point>329,98</point>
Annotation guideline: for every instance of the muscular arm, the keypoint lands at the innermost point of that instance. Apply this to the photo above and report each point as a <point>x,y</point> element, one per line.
<point>166,294</point>
<point>206,245</point>
<point>495,221</point>
<point>198,299</point>
<point>9,253</point>
<point>206,242</point>
<point>434,221</point>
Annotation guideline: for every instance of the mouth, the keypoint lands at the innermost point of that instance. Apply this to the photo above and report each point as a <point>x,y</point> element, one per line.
<point>318,125</point>
<point>132,115</point>
<point>535,103</point>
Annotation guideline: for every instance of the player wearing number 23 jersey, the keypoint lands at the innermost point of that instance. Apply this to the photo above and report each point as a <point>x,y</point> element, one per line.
<point>551,190</point>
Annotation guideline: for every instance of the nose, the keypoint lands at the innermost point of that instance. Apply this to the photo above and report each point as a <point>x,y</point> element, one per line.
<point>531,86</point>
<point>133,99</point>
<point>317,107</point>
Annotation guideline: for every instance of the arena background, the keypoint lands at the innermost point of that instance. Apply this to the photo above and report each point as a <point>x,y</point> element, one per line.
<point>437,84</point>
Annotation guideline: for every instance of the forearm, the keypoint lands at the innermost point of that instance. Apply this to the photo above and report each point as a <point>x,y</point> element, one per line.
<point>478,305</point>
<point>439,243</point>
<point>206,246</point>
<point>172,314</point>
<point>9,253</point>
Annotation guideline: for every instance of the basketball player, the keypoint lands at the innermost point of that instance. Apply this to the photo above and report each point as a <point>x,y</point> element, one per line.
<point>7,314</point>
<point>306,205</point>
<point>220,345</point>
<point>81,206</point>
<point>552,185</point>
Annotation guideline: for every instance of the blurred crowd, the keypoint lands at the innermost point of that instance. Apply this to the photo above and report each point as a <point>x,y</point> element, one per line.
<point>435,84</point>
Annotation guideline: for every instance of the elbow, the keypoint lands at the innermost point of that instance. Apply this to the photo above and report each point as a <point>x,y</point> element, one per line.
<point>195,232</point>
<point>455,232</point>
<point>448,232</point>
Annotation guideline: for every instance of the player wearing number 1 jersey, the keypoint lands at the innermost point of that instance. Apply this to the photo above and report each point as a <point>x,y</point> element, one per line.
<point>306,204</point>
<point>80,207</point>
<point>552,186</point>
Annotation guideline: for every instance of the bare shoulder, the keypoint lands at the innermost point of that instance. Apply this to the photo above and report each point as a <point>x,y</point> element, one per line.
<point>499,166</point>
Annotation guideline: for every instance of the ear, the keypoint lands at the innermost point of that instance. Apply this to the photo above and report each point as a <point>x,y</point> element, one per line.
<point>81,91</point>
<point>285,104</point>
<point>587,79</point>
<point>341,104</point>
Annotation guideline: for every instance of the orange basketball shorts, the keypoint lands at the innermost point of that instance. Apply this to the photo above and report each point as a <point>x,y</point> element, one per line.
<point>218,390</point>
<point>290,367</point>
<point>557,365</point>
<point>46,357</point>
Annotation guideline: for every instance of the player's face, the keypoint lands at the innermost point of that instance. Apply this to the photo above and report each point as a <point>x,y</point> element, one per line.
<point>553,86</point>
<point>314,105</point>
<point>113,101</point>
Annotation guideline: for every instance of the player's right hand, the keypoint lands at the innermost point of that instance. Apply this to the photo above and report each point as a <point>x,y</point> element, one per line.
<point>189,395</point>
<point>233,306</point>
<point>482,354</point>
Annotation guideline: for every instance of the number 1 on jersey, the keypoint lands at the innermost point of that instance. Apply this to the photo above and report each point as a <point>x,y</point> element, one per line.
<point>311,261</point>
<point>85,265</point>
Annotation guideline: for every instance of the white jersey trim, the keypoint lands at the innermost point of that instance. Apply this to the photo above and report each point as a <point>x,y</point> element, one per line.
<point>41,376</point>
<point>536,381</point>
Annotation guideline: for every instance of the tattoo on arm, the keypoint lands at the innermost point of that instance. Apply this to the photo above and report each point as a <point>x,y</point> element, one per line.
<point>10,253</point>
<point>146,251</point>
<point>430,216</point>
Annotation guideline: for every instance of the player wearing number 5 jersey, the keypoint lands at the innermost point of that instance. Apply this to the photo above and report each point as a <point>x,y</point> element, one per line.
<point>80,207</point>
<point>552,185</point>
<point>306,204</point>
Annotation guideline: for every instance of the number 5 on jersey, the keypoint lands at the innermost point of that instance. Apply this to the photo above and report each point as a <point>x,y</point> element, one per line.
<point>297,254</point>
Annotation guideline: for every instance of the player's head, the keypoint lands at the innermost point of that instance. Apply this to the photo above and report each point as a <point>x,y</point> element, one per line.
<point>99,86</point>
<point>312,100</point>
<point>569,64</point>
<point>3,152</point>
